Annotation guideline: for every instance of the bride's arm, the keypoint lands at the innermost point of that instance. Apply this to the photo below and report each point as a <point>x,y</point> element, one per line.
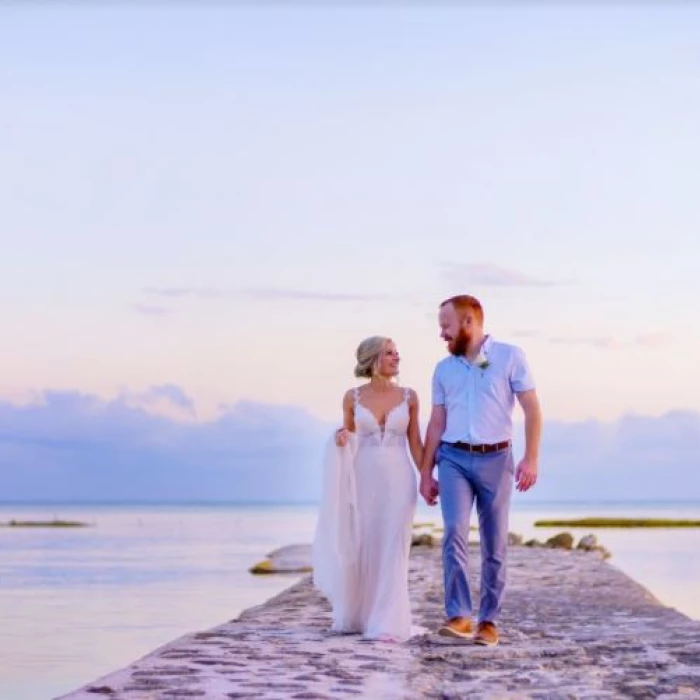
<point>415,443</point>
<point>349,411</point>
<point>341,435</point>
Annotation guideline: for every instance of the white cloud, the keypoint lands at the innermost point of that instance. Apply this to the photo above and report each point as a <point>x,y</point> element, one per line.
<point>649,340</point>
<point>180,292</point>
<point>524,333</point>
<point>653,340</point>
<point>603,342</point>
<point>262,294</point>
<point>165,400</point>
<point>71,446</point>
<point>636,457</point>
<point>150,310</point>
<point>490,275</point>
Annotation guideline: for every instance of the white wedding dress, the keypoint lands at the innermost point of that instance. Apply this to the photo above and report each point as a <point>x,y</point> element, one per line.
<point>363,533</point>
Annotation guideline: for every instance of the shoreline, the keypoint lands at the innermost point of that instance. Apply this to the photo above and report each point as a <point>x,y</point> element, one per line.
<point>573,625</point>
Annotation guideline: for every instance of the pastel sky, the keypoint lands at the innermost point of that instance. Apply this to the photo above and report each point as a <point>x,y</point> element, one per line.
<point>226,200</point>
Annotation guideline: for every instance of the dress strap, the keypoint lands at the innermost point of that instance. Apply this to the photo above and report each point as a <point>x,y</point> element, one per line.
<point>356,394</point>
<point>406,394</point>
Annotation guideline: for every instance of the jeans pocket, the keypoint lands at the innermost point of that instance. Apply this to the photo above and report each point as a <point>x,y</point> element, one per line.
<point>438,453</point>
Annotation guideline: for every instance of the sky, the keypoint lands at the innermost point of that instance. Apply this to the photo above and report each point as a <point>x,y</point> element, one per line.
<point>205,208</point>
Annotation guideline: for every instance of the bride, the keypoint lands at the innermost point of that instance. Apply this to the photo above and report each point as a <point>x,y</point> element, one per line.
<point>364,527</point>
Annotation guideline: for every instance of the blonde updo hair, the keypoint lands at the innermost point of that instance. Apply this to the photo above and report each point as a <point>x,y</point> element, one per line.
<point>367,354</point>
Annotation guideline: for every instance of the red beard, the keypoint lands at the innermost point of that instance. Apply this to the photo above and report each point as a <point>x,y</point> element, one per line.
<point>458,346</point>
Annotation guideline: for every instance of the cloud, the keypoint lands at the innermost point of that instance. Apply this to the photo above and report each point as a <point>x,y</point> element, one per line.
<point>149,310</point>
<point>166,399</point>
<point>181,292</point>
<point>292,294</point>
<point>490,275</point>
<point>636,457</point>
<point>72,446</point>
<point>604,342</point>
<point>263,294</point>
<point>171,392</point>
<point>650,340</point>
<point>525,333</point>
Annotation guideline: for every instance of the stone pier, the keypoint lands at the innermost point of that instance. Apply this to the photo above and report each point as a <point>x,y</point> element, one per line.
<point>573,626</point>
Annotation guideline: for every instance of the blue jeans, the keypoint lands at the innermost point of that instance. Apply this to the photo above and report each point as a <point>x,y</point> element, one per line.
<point>463,478</point>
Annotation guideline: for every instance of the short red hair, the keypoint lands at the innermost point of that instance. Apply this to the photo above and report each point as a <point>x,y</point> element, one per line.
<point>464,303</point>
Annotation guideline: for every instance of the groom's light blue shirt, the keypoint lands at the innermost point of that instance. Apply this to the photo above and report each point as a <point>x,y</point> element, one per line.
<point>479,402</point>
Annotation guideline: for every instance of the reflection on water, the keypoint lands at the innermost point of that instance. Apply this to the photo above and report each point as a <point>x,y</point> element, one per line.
<point>79,603</point>
<point>76,604</point>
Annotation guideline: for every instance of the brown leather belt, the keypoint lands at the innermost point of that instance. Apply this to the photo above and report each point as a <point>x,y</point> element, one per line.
<point>481,449</point>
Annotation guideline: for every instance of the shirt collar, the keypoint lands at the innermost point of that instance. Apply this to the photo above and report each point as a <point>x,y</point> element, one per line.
<point>485,348</point>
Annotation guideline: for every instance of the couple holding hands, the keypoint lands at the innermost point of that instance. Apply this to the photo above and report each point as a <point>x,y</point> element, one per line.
<point>364,528</point>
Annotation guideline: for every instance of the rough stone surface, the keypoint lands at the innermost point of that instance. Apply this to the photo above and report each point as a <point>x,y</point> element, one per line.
<point>573,626</point>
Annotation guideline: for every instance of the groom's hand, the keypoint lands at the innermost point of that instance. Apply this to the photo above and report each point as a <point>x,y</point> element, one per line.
<point>526,474</point>
<point>429,487</point>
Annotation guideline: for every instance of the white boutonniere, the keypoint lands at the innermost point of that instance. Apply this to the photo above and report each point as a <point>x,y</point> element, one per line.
<point>482,362</point>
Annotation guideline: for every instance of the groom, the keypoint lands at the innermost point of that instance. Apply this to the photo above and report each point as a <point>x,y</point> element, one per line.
<point>469,437</point>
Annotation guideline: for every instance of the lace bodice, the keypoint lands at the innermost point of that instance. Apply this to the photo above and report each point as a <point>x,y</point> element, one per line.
<point>371,433</point>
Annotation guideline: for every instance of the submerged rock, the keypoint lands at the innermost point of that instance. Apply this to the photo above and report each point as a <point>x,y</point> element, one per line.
<point>294,558</point>
<point>564,540</point>
<point>424,539</point>
<point>514,539</point>
<point>604,553</point>
<point>588,543</point>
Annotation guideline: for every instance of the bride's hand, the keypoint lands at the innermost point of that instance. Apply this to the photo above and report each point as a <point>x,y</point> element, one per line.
<point>429,487</point>
<point>341,437</point>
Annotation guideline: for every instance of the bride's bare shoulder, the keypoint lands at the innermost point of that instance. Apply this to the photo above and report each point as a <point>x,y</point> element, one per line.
<point>354,390</point>
<point>350,394</point>
<point>412,396</point>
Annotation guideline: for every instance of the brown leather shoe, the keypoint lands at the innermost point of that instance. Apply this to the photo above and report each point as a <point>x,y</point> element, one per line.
<point>457,627</point>
<point>486,634</point>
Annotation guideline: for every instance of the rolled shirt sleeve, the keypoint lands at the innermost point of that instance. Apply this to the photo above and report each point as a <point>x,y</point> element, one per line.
<point>521,378</point>
<point>438,389</point>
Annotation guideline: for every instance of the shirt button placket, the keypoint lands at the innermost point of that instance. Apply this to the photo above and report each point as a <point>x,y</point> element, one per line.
<point>470,401</point>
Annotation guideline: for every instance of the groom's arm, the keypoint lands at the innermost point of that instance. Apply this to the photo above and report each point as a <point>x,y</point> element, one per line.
<point>523,385</point>
<point>436,424</point>
<point>415,442</point>
<point>533,423</point>
<point>527,470</point>
<point>433,435</point>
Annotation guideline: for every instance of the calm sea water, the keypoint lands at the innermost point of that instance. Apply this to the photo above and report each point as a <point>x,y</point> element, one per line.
<point>76,604</point>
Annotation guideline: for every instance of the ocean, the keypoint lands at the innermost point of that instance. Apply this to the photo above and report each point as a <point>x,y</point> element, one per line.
<point>78,603</point>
